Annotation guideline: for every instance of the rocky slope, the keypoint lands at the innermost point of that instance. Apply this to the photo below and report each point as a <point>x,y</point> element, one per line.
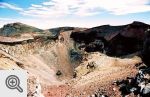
<point>114,40</point>
<point>15,29</point>
<point>71,62</point>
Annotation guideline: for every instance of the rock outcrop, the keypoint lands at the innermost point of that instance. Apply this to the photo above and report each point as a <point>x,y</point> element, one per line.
<point>114,40</point>
<point>146,47</point>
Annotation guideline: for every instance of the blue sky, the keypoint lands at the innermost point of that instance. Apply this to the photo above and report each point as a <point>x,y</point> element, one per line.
<point>80,13</point>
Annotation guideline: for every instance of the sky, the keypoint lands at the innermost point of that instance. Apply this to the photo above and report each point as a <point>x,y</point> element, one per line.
<point>47,14</point>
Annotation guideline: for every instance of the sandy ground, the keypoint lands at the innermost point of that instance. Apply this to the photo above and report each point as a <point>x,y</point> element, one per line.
<point>98,80</point>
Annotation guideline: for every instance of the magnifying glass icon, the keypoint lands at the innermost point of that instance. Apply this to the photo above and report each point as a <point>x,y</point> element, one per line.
<point>13,82</point>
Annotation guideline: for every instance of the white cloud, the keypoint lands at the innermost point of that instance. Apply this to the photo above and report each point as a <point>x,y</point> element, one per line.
<point>122,7</point>
<point>60,8</point>
<point>10,6</point>
<point>57,8</point>
<point>36,6</point>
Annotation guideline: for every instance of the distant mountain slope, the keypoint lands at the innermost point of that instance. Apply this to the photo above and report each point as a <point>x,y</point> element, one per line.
<point>56,31</point>
<point>15,29</point>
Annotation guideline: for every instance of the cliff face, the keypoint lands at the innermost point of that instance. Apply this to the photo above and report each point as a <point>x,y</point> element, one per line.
<point>114,40</point>
<point>53,53</point>
<point>40,53</point>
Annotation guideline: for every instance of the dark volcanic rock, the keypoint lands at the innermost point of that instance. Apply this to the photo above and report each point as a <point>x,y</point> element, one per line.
<point>139,85</point>
<point>117,40</point>
<point>135,30</point>
<point>146,48</point>
<point>121,45</point>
